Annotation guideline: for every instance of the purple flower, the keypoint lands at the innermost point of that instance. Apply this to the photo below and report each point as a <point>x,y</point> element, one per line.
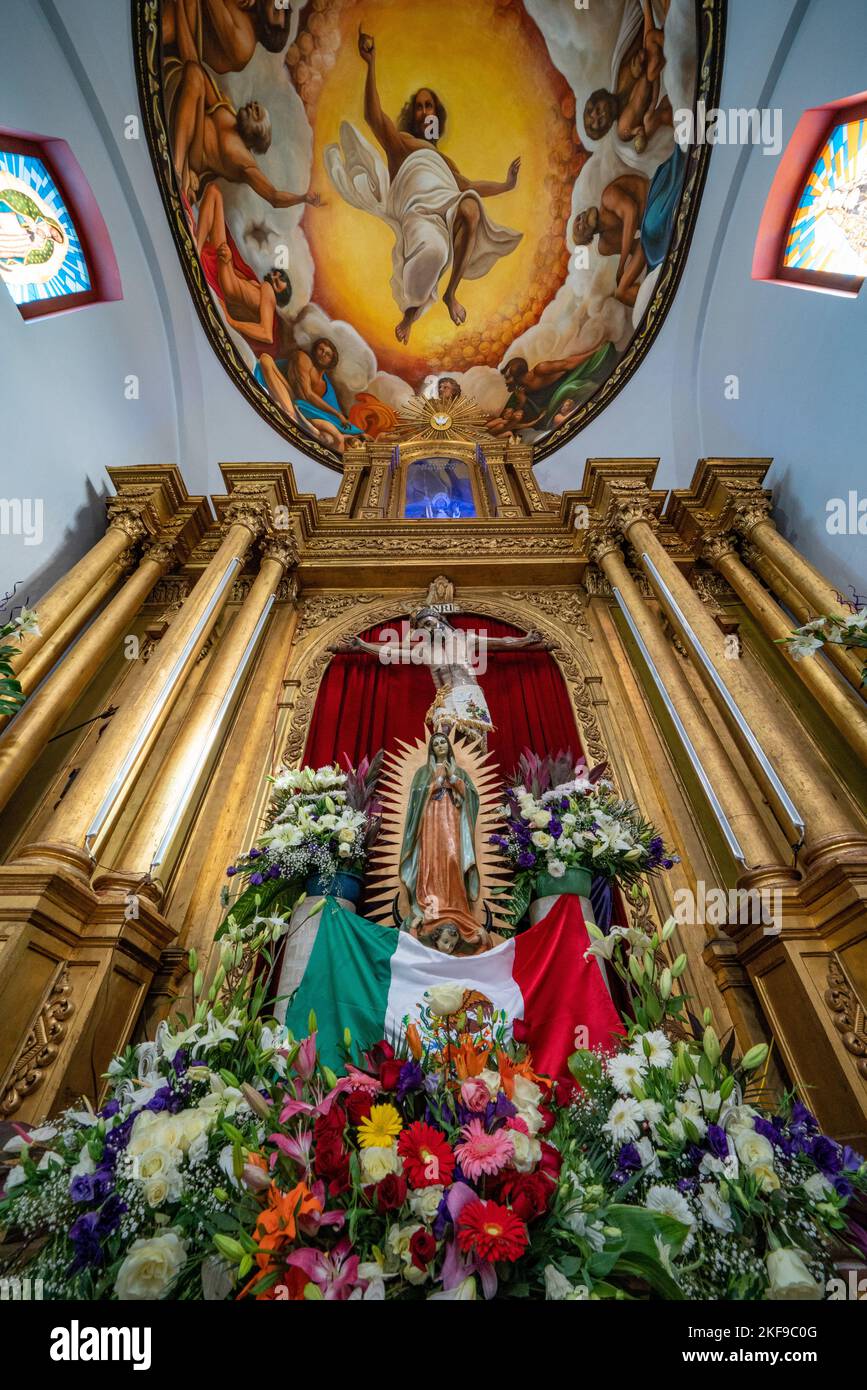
<point>255,854</point>
<point>110,1213</point>
<point>110,1108</point>
<point>181,1060</point>
<point>85,1237</point>
<point>629,1158</point>
<point>717,1141</point>
<point>499,1109</point>
<point>256,880</point>
<point>231,871</point>
<point>826,1155</point>
<point>555,829</point>
<point>687,1184</point>
<point>526,860</point>
<point>82,1189</point>
<point>851,1161</point>
<point>842,1186</point>
<point>118,1138</point>
<point>274,871</point>
<point>802,1116</point>
<point>411,1079</point>
<point>770,1129</point>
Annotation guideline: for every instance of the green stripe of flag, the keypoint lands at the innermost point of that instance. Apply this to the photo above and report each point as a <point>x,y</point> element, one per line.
<point>346,982</point>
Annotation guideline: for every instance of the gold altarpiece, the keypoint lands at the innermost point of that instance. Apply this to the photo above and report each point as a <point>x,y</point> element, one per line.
<point>180,660</point>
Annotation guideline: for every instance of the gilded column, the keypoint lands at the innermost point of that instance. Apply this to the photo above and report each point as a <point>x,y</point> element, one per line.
<point>752,518</point>
<point>144,848</point>
<point>25,737</point>
<point>97,797</point>
<point>820,801</point>
<point>839,703</point>
<point>756,842</point>
<point>78,591</point>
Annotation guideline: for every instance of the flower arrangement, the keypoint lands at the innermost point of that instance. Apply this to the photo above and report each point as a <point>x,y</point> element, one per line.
<point>230,1161</point>
<point>557,818</point>
<point>850,633</point>
<point>675,1126</point>
<point>321,822</point>
<point>24,625</point>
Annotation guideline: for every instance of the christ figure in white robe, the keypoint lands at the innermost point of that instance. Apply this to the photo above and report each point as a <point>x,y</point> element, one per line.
<point>436,214</point>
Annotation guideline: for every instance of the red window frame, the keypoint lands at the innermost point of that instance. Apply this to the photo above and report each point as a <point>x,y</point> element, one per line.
<point>67,173</point>
<point>799,158</point>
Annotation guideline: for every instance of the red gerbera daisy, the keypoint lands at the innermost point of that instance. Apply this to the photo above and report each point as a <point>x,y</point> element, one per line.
<point>427,1158</point>
<point>491,1232</point>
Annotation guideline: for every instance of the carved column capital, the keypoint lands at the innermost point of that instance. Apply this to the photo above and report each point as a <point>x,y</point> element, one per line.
<point>602,540</point>
<point>716,548</point>
<point>281,548</point>
<point>629,502</point>
<point>162,551</point>
<point>750,507</point>
<point>128,515</point>
<point>250,508</point>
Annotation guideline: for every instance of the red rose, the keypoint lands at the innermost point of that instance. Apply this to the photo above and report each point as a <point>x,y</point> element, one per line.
<point>422,1248</point>
<point>548,1118</point>
<point>358,1105</point>
<point>389,1073</point>
<point>391,1192</point>
<point>382,1052</point>
<point>331,1159</point>
<point>528,1194</point>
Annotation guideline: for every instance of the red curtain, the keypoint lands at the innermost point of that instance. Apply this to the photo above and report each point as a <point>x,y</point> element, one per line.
<point>364,705</point>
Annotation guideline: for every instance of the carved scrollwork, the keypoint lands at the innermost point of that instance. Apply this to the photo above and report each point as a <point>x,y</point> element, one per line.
<point>41,1045</point>
<point>321,608</point>
<point>848,1013</point>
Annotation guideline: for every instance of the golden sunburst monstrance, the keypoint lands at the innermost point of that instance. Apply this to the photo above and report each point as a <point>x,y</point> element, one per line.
<point>426,419</point>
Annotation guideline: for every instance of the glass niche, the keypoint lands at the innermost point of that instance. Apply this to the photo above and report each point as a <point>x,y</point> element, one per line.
<point>439,489</point>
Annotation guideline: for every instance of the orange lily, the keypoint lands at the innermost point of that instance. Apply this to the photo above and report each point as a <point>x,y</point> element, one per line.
<point>276,1227</point>
<point>509,1070</point>
<point>414,1042</point>
<point>468,1059</point>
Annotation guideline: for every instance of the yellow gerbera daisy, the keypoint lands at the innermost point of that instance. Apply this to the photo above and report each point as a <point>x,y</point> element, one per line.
<point>380,1128</point>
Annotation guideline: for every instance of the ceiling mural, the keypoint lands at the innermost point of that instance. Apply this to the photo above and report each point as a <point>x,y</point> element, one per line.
<point>378,201</point>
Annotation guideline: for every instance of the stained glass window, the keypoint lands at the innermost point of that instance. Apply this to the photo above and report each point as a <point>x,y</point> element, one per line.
<point>41,256</point>
<point>439,489</point>
<point>828,233</point>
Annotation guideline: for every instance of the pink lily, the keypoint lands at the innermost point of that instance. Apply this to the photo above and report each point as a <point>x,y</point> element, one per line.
<point>335,1274</point>
<point>305,1058</point>
<point>295,1146</point>
<point>313,1221</point>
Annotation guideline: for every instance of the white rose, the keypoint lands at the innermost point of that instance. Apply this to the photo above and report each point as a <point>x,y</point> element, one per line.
<point>150,1267</point>
<point>424,1203</point>
<point>556,867</point>
<point>568,820</point>
<point>492,1081</point>
<point>344,851</point>
<point>160,1189</point>
<point>789,1276</point>
<point>377,1163</point>
<point>528,1151</point>
<point>541,819</point>
<point>157,1162</point>
<point>144,1132</point>
<point>715,1209</point>
<point>346,835</point>
<point>445,999</point>
<point>740,1117</point>
<point>541,839</point>
<point>753,1149</point>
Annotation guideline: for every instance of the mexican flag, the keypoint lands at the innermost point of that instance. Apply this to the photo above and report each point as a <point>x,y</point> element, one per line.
<point>373,979</point>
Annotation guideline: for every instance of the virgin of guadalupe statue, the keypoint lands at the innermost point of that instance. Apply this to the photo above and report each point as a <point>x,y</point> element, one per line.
<point>438,865</point>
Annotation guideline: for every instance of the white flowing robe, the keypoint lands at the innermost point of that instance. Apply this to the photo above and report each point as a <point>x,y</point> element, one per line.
<point>420,207</point>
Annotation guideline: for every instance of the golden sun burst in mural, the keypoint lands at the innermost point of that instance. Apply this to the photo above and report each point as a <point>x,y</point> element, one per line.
<point>486,129</point>
<point>428,420</point>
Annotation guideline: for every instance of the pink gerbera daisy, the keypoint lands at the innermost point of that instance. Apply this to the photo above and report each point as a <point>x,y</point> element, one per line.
<point>482,1153</point>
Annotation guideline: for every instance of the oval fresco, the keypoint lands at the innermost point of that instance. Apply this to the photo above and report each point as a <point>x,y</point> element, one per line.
<point>382,200</point>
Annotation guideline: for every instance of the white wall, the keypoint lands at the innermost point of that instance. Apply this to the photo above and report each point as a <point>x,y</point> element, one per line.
<point>798,356</point>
